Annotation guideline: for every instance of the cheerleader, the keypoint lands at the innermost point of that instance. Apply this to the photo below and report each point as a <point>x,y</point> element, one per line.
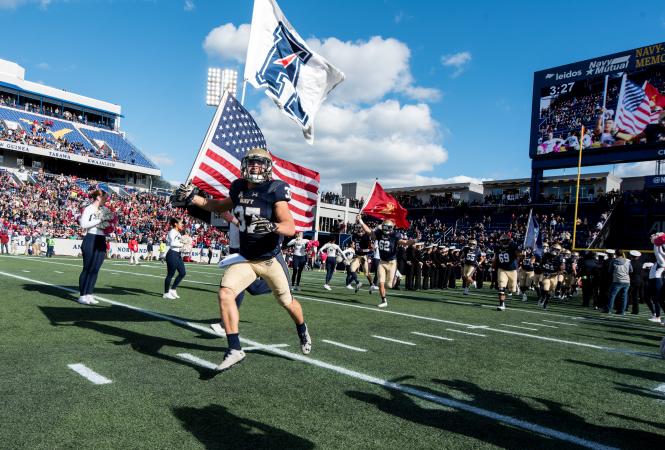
<point>174,259</point>
<point>95,220</point>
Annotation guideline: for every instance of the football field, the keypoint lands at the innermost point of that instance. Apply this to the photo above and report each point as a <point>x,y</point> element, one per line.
<point>436,369</point>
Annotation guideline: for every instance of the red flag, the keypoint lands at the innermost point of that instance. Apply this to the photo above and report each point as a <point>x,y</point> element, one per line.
<point>384,206</point>
<point>654,95</point>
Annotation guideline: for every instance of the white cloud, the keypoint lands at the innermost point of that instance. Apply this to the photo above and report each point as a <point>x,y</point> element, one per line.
<point>161,159</point>
<point>189,5</point>
<point>459,61</point>
<point>373,69</point>
<point>396,143</point>
<point>228,42</point>
<point>43,66</point>
<point>636,169</point>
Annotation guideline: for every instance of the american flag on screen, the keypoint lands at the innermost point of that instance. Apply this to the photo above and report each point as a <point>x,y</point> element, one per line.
<point>633,110</point>
<point>232,133</point>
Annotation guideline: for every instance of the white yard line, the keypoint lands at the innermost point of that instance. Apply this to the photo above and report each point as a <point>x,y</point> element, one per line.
<point>198,361</point>
<point>58,272</point>
<point>263,347</point>
<point>561,323</point>
<point>465,332</point>
<point>444,401</point>
<point>89,374</point>
<point>392,340</point>
<point>539,325</point>
<point>517,326</point>
<point>561,341</point>
<point>339,344</point>
<point>432,336</point>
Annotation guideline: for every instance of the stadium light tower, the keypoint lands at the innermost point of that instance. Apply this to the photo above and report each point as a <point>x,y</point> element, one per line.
<point>220,80</point>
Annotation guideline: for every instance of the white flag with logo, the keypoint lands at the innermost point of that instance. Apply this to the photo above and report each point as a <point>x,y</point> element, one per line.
<point>293,76</point>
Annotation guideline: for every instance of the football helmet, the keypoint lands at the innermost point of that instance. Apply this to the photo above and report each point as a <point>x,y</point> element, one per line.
<point>261,157</point>
<point>473,243</point>
<point>504,240</point>
<point>555,249</point>
<point>388,226</point>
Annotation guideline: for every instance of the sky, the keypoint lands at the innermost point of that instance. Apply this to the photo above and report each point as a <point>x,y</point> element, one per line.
<point>435,92</point>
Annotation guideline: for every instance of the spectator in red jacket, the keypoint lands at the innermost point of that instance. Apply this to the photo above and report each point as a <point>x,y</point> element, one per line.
<point>133,251</point>
<point>4,242</point>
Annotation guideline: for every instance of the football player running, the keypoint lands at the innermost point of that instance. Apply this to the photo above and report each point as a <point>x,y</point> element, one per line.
<point>260,205</point>
<point>552,265</point>
<point>472,257</point>
<point>506,259</point>
<point>387,239</point>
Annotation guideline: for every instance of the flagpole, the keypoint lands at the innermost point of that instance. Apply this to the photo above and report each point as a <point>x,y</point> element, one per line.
<point>528,224</point>
<point>604,99</point>
<point>317,216</point>
<point>577,194</point>
<point>208,136</point>
<point>371,192</point>
<point>244,87</point>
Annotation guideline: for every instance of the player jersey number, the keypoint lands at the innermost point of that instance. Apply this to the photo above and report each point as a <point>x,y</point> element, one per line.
<point>384,246</point>
<point>239,212</point>
<point>504,258</point>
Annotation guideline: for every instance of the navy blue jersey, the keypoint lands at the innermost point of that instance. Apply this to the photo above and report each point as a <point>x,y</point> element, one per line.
<point>387,244</point>
<point>471,256</point>
<point>507,257</point>
<point>570,262</point>
<point>551,264</point>
<point>538,265</point>
<point>251,204</point>
<point>363,244</point>
<point>527,265</point>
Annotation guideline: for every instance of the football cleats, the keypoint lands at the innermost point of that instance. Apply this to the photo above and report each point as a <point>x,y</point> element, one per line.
<point>504,240</point>
<point>260,174</point>
<point>388,226</point>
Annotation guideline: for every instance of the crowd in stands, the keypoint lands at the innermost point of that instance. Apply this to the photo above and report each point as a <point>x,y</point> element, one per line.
<point>10,100</point>
<point>40,135</point>
<point>52,206</point>
<point>333,198</point>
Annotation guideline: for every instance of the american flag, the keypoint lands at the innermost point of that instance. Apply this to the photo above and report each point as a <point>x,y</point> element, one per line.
<point>633,111</point>
<point>232,133</point>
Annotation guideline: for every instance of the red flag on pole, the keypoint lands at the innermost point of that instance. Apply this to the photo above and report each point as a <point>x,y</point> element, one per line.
<point>384,206</point>
<point>654,95</point>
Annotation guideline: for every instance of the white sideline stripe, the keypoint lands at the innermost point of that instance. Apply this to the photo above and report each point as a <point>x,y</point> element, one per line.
<point>451,403</point>
<point>339,344</point>
<point>456,302</point>
<point>561,323</point>
<point>57,271</point>
<point>89,374</point>
<point>539,325</point>
<point>263,347</point>
<point>392,340</point>
<point>517,326</point>
<point>198,361</point>
<point>385,311</point>
<point>432,336</point>
<point>467,332</point>
<point>562,341</point>
<point>433,319</point>
<point>478,327</point>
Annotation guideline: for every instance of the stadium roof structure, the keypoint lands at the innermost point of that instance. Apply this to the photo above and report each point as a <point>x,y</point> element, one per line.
<point>588,177</point>
<point>433,188</point>
<point>12,76</point>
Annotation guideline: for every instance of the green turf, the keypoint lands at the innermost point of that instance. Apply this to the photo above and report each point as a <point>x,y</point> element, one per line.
<point>157,400</point>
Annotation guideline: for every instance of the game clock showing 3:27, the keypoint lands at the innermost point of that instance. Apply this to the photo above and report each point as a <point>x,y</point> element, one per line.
<point>615,97</point>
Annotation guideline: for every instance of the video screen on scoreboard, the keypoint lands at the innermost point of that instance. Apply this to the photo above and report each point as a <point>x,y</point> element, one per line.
<point>619,99</point>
